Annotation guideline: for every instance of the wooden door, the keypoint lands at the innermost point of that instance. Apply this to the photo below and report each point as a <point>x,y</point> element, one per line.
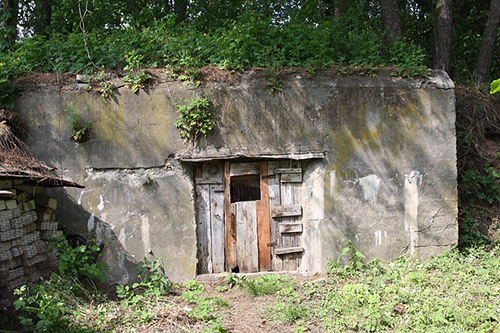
<point>285,178</point>
<point>242,233</point>
<point>248,232</point>
<point>210,217</point>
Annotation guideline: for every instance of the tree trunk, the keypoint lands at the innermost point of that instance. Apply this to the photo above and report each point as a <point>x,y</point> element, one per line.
<point>442,35</point>
<point>180,9</point>
<point>391,19</point>
<point>488,42</point>
<point>10,15</point>
<point>44,11</point>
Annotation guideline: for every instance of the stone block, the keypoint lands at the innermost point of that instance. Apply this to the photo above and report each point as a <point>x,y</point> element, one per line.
<point>4,225</point>
<point>31,237</point>
<point>47,226</point>
<point>27,206</point>
<point>14,284</point>
<point>43,201</point>
<point>17,182</point>
<point>2,205</point>
<point>29,228</point>
<point>17,251</point>
<point>23,220</point>
<point>41,246</point>
<point>12,263</point>
<point>5,184</point>
<point>34,260</point>
<point>5,246</point>
<point>46,215</point>
<point>10,234</point>
<point>24,196</point>
<point>5,255</point>
<point>16,273</point>
<point>11,204</point>
<point>30,250</point>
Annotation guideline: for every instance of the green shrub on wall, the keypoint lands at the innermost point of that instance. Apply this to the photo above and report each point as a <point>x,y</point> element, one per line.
<point>195,119</point>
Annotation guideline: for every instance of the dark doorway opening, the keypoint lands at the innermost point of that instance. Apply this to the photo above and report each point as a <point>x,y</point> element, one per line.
<point>245,188</point>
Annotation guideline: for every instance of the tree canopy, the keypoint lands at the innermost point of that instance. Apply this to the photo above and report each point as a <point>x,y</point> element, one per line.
<point>75,35</point>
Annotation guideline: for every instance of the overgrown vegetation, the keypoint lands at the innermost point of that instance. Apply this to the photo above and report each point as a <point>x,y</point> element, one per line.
<point>80,129</point>
<point>195,119</point>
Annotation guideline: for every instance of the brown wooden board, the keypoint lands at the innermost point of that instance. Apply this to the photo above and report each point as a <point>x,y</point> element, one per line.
<point>289,170</point>
<point>291,177</point>
<point>274,200</point>
<point>230,230</point>
<point>246,235</point>
<point>217,228</point>
<point>288,228</point>
<point>283,211</point>
<point>289,250</point>
<point>241,169</point>
<point>203,228</point>
<point>203,181</point>
<point>263,222</point>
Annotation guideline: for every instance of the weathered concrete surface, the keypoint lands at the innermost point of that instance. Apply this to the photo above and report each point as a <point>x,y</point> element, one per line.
<point>388,181</point>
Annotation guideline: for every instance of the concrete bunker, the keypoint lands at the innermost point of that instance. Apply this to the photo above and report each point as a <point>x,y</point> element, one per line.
<point>328,159</point>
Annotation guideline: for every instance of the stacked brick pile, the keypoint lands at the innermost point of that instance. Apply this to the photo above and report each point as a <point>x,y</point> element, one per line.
<point>27,221</point>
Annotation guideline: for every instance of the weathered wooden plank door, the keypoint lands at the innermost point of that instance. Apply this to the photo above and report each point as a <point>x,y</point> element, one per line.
<point>285,178</point>
<point>248,230</point>
<point>247,254</point>
<point>210,217</point>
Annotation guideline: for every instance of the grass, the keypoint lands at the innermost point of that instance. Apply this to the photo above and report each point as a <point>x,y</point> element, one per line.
<point>455,292</point>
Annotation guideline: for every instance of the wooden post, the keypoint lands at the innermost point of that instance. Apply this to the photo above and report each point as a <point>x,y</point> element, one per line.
<point>230,234</point>
<point>263,222</point>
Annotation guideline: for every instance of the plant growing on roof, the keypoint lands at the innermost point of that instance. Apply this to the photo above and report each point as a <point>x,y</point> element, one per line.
<point>135,79</point>
<point>80,128</point>
<point>195,119</point>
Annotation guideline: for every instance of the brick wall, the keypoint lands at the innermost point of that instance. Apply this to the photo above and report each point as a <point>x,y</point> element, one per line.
<point>27,221</point>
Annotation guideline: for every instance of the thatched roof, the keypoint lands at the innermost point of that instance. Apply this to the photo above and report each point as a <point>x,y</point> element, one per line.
<point>18,162</point>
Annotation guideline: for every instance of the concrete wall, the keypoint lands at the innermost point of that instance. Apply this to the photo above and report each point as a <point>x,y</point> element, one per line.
<point>387,182</point>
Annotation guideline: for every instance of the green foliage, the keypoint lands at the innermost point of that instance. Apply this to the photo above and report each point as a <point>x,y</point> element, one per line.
<point>274,81</point>
<point>203,307</point>
<point>481,185</point>
<point>353,264</point>
<point>153,283</point>
<point>80,261</point>
<point>44,306</point>
<point>453,292</point>
<point>234,280</point>
<point>106,89</point>
<point>135,79</point>
<point>495,86</point>
<point>267,284</point>
<point>195,119</point>
<point>81,129</point>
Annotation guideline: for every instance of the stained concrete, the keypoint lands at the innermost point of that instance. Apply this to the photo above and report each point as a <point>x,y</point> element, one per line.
<point>387,182</point>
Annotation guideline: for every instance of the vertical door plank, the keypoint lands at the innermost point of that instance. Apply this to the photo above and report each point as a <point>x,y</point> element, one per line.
<point>203,229</point>
<point>263,222</point>
<point>274,200</point>
<point>286,239</point>
<point>217,228</point>
<point>230,232</point>
<point>298,200</point>
<point>246,240</point>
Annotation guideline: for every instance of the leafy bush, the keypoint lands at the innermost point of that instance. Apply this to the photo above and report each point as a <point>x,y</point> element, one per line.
<point>267,284</point>
<point>195,119</point>
<point>46,305</point>
<point>80,129</point>
<point>153,282</point>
